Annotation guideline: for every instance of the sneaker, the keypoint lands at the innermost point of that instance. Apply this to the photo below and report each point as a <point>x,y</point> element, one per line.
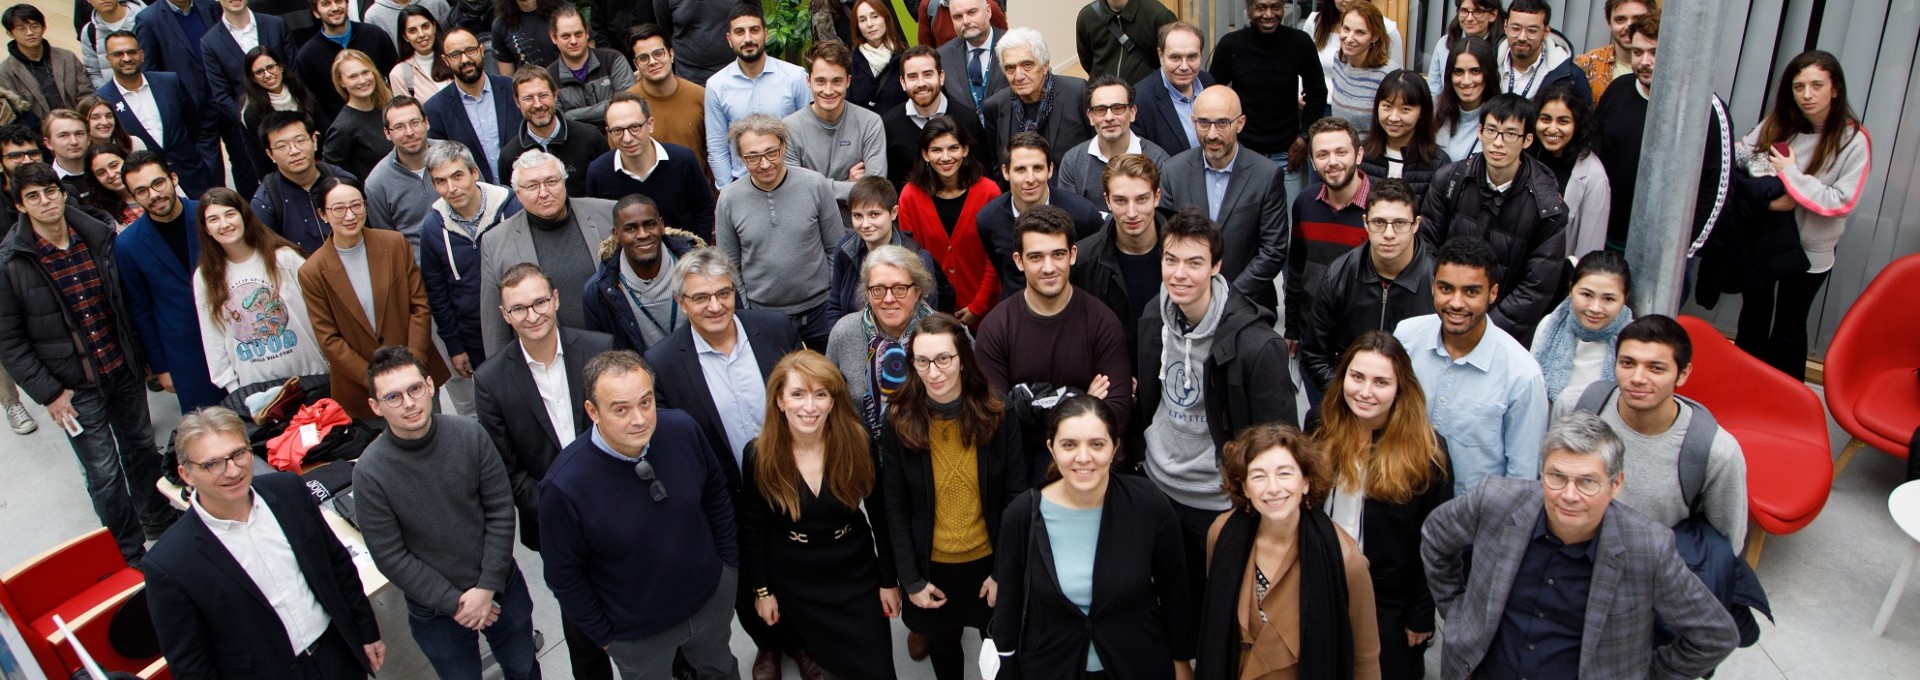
<point>20,419</point>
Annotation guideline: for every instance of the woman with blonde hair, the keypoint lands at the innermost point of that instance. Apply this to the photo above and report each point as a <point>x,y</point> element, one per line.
<point>357,140</point>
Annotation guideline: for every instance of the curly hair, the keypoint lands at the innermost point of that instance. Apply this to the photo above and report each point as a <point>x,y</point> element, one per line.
<point>1259,439</point>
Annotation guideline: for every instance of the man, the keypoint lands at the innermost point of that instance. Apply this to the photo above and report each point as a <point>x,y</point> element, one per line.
<point>223,51</point>
<point>1328,223</point>
<point>1621,118</point>
<point>103,17</point>
<point>557,232</point>
<point>19,147</point>
<point>714,371</point>
<point>1608,62</point>
<point>1029,175</point>
<point>157,255</point>
<point>1110,112</point>
<point>677,106</point>
<point>285,201</point>
<point>531,405</point>
<point>670,174</point>
<point>575,143</point>
<point>662,564</point>
<point>924,78</point>
<point>431,497</point>
<point>1563,584</point>
<point>631,297</point>
<point>1244,193</point>
<point>314,60</point>
<point>1119,265</point>
<point>584,76</point>
<point>1387,279</point>
<point>64,132</point>
<point>1164,110</point>
<point>940,21</point>
<point>1505,195</point>
<point>1267,64</point>
<point>1653,359</point>
<point>1036,99</point>
<point>1533,57</point>
<point>700,27</point>
<point>753,84</point>
<point>974,58</point>
<point>1117,37</point>
<point>386,15</point>
<point>844,143</point>
<point>74,349</point>
<point>398,192</point>
<point>779,225</point>
<point>171,33</point>
<point>1485,394</point>
<point>478,110</point>
<point>450,232</point>
<point>253,581</point>
<point>47,76</point>
<point>157,107</point>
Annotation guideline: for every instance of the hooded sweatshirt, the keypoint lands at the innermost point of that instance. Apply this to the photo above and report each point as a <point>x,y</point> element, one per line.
<point>1180,456</point>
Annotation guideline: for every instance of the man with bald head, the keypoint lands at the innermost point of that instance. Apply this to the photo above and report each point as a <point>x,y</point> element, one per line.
<point>1241,191</point>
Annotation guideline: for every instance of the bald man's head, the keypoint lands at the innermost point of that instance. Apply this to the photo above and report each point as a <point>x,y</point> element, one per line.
<point>1217,122</point>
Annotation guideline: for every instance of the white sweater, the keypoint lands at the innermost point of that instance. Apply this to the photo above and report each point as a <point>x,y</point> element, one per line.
<point>263,333</point>
<point>1825,198</point>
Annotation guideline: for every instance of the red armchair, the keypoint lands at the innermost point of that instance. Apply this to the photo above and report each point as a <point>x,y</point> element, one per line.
<point>85,581</point>
<point>1870,382</point>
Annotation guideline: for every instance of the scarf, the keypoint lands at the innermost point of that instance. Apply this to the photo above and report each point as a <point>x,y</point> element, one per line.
<point>1326,634</point>
<point>888,364</point>
<point>877,57</point>
<point>1041,110</point>
<point>1561,335</point>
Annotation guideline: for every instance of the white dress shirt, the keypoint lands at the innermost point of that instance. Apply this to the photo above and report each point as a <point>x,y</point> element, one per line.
<point>260,545</point>
<point>739,391</point>
<point>554,393</point>
<point>660,156</point>
<point>145,109</point>
<point>247,36</point>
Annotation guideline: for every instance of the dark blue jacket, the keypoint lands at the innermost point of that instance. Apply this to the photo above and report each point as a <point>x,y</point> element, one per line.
<point>168,48</point>
<point>605,302</point>
<point>180,114</point>
<point>226,74</point>
<point>1155,119</point>
<point>996,223</point>
<point>159,292</point>
<point>450,121</point>
<point>450,270</point>
<point>296,213</point>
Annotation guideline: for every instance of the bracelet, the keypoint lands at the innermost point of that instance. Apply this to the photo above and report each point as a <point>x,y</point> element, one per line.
<point>761,594</point>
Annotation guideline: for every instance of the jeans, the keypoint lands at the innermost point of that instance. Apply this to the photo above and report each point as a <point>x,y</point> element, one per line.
<point>450,646</point>
<point>118,458</point>
<point>1294,181</point>
<point>9,393</point>
<point>704,639</point>
<point>814,327</point>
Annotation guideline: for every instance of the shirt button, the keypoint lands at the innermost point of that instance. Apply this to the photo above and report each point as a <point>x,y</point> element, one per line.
<point>1549,581</point>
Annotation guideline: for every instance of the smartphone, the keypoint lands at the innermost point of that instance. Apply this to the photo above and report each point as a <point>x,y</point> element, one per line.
<point>1780,148</point>
<point>71,425</point>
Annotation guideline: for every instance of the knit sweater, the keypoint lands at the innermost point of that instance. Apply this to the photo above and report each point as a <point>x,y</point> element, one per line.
<point>781,239</point>
<point>833,150</point>
<point>1653,464</point>
<point>1082,340</point>
<point>437,512</point>
<point>398,198</point>
<point>1823,199</point>
<point>677,184</point>
<point>959,528</point>
<point>1350,91</point>
<point>680,118</point>
<point>1268,71</point>
<point>1321,235</point>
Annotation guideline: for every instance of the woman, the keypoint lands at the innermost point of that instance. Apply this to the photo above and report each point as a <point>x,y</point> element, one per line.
<point>938,205</point>
<point>105,188</point>
<point>1354,78</point>
<point>1059,617</point>
<point>1400,140</point>
<point>877,44</point>
<point>522,37</point>
<point>357,140</point>
<point>1564,143</point>
<point>1325,27</point>
<point>1477,18</point>
<point>1468,86</point>
<point>806,547</point>
<point>103,127</point>
<point>870,346</point>
<point>1575,344</point>
<point>1823,172</point>
<point>1389,471</point>
<point>421,75</point>
<point>1288,594</point>
<point>272,86</point>
<point>253,319</point>
<point>953,462</point>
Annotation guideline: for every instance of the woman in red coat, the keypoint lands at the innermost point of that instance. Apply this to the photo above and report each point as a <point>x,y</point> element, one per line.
<point>937,208</point>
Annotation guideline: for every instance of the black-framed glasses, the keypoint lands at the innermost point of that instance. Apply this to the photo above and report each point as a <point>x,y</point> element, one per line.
<point>944,361</point>
<point>518,313</point>
<point>1379,225</point>
<point>1104,109</point>
<point>1491,133</point>
<point>218,465</point>
<point>633,130</point>
<point>1587,486</point>
<point>644,470</point>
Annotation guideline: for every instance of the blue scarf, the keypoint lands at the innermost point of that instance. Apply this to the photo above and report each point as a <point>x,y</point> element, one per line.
<point>1562,335</point>
<point>888,364</point>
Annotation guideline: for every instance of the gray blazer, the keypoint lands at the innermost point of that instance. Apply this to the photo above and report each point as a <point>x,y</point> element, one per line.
<point>1637,575</point>
<point>510,243</point>
<point>953,63</point>
<point>1254,219</point>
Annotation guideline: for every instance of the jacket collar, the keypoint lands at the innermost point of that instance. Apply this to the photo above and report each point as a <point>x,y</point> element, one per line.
<point>84,227</point>
<point>1369,275</point>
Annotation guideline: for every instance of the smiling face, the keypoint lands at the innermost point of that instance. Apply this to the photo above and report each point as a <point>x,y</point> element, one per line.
<point>1132,201</point>
<point>920,76</point>
<point>622,407</point>
<point>1083,450</point>
<point>106,169</point>
<point>345,209</point>
<point>419,34</point>
<point>100,123</point>
<point>1355,37</point>
<point>1397,118</point>
<point>407,129</point>
<point>714,316</point>
<point>747,35</point>
<point>1473,19</point>
<point>535,99</point>
<point>1461,296</point>
<point>155,191</point>
<point>944,154</point>
<point>1110,114</point>
<point>1569,512</point>
<point>930,350</point>
<point>1217,120</point>
<point>1028,171</point>
<point>1370,388</point>
<point>1180,59</point>
<point>569,34</point>
<point>1598,299</point>
<point>1187,268</point>
<point>1276,486</point>
<point>873,222</point>
<point>1814,92</point>
<point>629,130</point>
<point>124,54</point>
<point>1468,77</point>
<point>638,230</point>
<point>1648,374</point>
<point>1265,14</point>
<point>1335,159</point>
<point>1621,20</point>
<point>353,76</point>
<point>654,59</point>
<point>1026,75</point>
<point>230,485</point>
<point>528,306</point>
<point>1526,34</point>
<point>266,72</point>
<point>805,403</point>
<point>1555,126</point>
<point>462,54</point>
<point>828,81</point>
<point>332,14</point>
<point>1644,52</point>
<point>765,158</point>
<point>891,311</point>
<point>393,400</point>
<point>225,224</point>
<point>1046,259</point>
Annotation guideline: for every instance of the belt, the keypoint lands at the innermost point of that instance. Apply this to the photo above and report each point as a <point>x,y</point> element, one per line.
<point>837,534</point>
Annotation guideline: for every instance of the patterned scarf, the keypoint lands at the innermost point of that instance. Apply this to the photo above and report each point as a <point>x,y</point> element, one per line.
<point>1040,110</point>
<point>888,363</point>
<point>1562,336</point>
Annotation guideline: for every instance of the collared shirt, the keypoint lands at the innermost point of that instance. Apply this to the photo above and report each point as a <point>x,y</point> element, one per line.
<point>145,109</point>
<point>659,157</point>
<point>600,442</point>
<point>1133,146</point>
<point>1490,405</point>
<point>1014,206</point>
<point>939,109</point>
<point>248,36</point>
<point>1217,181</point>
<point>1359,196</point>
<point>739,392</point>
<point>781,89</point>
<point>1183,105</point>
<point>559,131</point>
<point>1539,633</point>
<point>485,120</point>
<point>551,379</point>
<point>85,294</point>
<point>261,548</point>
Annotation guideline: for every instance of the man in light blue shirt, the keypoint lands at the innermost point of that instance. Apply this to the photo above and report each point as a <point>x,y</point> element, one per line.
<point>1485,394</point>
<point>478,109</point>
<point>753,83</point>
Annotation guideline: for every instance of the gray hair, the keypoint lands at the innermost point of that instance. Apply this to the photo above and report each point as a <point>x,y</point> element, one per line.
<point>902,259</point>
<point>1023,37</point>
<point>1585,434</point>
<point>759,124</point>
<point>442,152</point>
<point>534,159</point>
<point>203,422</point>
<point>708,262</point>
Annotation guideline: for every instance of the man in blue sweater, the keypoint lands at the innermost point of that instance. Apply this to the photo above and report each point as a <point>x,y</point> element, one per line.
<point>661,571</point>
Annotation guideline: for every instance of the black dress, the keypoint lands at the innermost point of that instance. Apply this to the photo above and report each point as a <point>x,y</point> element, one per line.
<point>828,585</point>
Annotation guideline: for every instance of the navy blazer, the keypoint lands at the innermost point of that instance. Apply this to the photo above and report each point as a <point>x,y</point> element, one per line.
<point>450,121</point>
<point>167,46</point>
<point>995,223</point>
<point>679,382</point>
<point>1155,119</point>
<point>213,622</point>
<point>159,292</point>
<point>226,72</point>
<point>182,123</point>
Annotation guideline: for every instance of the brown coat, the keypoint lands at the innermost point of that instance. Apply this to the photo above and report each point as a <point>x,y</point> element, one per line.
<point>345,336</point>
<point>1271,650</point>
<point>68,75</point>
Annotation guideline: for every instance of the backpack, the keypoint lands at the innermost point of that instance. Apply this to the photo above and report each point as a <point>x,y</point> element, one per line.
<point>1694,445</point>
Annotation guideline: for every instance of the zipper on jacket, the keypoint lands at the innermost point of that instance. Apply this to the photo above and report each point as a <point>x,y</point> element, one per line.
<point>1383,303</point>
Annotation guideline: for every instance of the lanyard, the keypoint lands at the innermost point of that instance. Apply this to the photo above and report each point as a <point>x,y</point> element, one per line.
<point>673,311</point>
<point>1531,80</point>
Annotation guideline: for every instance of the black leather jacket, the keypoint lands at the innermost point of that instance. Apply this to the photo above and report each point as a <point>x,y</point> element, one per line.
<point>1354,299</point>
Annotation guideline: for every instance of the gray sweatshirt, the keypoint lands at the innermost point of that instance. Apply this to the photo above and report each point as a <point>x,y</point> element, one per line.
<point>1180,456</point>
<point>781,239</point>
<point>833,150</point>
<point>437,512</point>
<point>1653,471</point>
<point>398,198</point>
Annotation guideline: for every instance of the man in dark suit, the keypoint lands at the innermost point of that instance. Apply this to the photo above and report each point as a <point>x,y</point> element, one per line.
<point>1251,209</point>
<point>973,59</point>
<point>1164,104</point>
<point>448,111</point>
<point>157,256</point>
<point>923,75</point>
<point>252,582</point>
<point>1036,98</point>
<point>172,32</point>
<point>223,52</point>
<point>1613,572</point>
<point>158,108</point>
<point>1029,177</point>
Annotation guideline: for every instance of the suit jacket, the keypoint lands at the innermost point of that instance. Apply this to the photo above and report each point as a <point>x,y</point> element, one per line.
<point>1155,119</point>
<point>1253,217</point>
<point>167,46</point>
<point>213,622</point>
<point>346,337</point>
<point>181,118</point>
<point>953,61</point>
<point>1637,575</point>
<point>513,415</point>
<point>226,74</point>
<point>159,292</point>
<point>509,243</point>
<point>1065,127</point>
<point>679,382</point>
<point>996,225</point>
<point>450,121</point>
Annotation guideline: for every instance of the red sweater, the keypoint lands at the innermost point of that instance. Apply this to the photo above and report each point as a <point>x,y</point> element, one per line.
<point>961,255</point>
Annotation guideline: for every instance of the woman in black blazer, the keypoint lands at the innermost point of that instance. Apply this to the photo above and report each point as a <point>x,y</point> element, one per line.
<point>951,457</point>
<point>1061,617</point>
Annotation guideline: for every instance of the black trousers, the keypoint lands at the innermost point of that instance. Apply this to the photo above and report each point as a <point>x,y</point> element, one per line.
<point>1773,321</point>
<point>330,658</point>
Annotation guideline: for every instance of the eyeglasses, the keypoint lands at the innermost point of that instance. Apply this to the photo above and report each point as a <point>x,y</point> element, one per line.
<point>1380,225</point>
<point>943,362</point>
<point>47,195</point>
<point>775,154</point>
<point>243,457</point>
<point>1528,31</point>
<point>124,54</point>
<point>286,147</point>
<point>1203,124</point>
<point>1587,486</point>
<point>701,299</point>
<point>354,208</point>
<point>633,130</point>
<point>1491,133</point>
<point>464,53</point>
<point>518,313</point>
<point>158,185</point>
<point>1480,11</point>
<point>650,57</point>
<point>403,126</point>
<point>29,155</point>
<point>414,392</point>
<point>898,290</point>
<point>536,97</point>
<point>1104,109</point>
<point>265,71</point>
<point>540,185</point>
<point>645,471</point>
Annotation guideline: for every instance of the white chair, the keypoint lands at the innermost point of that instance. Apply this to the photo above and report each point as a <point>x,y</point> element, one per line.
<point>1904,505</point>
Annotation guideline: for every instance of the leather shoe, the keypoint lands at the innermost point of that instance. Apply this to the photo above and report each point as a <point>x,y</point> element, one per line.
<point>918,645</point>
<point>766,665</point>
<point>809,669</point>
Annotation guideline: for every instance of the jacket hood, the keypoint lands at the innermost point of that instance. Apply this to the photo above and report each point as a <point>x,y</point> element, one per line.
<point>94,232</point>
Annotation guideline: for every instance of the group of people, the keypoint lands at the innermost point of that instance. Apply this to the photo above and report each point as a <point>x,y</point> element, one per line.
<point>757,341</point>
